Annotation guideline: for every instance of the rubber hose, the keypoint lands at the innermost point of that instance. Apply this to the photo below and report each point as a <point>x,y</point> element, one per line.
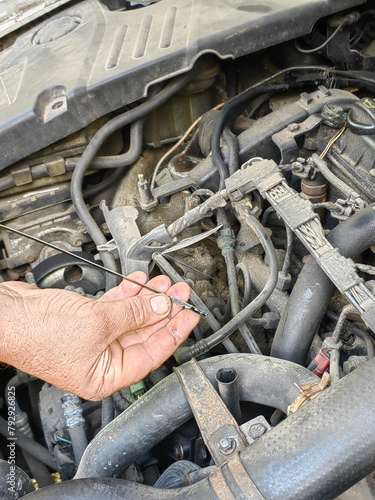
<point>110,489</point>
<point>323,168</point>
<point>249,340</point>
<point>173,476</point>
<point>14,482</point>
<point>326,447</point>
<point>367,340</point>
<point>106,183</point>
<point>38,470</point>
<point>78,438</point>
<point>83,164</point>
<point>121,160</point>
<point>247,282</point>
<point>261,380</point>
<point>234,294</point>
<point>232,145</point>
<point>313,290</point>
<point>30,445</point>
<point>107,411</point>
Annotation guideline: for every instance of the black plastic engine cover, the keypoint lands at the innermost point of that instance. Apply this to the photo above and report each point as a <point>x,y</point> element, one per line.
<point>87,61</point>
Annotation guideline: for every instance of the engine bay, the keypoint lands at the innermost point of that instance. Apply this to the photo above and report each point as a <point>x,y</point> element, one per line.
<point>228,145</point>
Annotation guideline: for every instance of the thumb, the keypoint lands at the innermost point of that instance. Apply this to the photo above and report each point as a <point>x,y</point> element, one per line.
<point>133,313</point>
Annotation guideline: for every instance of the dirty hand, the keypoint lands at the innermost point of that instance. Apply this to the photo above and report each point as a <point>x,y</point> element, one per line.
<point>92,347</point>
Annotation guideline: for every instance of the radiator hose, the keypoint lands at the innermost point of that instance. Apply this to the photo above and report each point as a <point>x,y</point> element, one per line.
<point>319,452</point>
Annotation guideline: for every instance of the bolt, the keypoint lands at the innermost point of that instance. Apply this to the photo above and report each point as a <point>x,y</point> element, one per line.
<point>293,127</point>
<point>256,430</point>
<point>78,243</point>
<point>104,227</point>
<point>227,445</point>
<point>30,258</point>
<point>144,191</point>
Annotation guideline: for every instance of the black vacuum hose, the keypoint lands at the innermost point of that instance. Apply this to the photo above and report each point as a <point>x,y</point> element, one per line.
<point>313,290</point>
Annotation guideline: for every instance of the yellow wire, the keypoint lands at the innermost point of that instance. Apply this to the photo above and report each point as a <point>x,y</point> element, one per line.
<point>333,140</point>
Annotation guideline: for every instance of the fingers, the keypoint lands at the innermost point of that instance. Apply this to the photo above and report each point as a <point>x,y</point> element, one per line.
<point>131,314</point>
<point>125,289</point>
<point>161,283</point>
<point>182,292</point>
<point>139,359</point>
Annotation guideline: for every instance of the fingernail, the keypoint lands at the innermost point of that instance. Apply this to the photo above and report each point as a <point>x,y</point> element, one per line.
<point>161,304</point>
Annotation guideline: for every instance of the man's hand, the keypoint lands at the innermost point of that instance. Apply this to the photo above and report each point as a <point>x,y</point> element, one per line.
<point>92,347</point>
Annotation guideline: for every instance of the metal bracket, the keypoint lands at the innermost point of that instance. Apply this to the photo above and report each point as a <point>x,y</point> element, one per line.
<point>219,429</point>
<point>109,247</point>
<point>231,482</point>
<point>255,428</point>
<point>286,141</point>
<point>135,251</point>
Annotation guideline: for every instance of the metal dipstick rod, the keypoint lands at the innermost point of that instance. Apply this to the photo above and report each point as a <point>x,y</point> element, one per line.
<point>175,300</point>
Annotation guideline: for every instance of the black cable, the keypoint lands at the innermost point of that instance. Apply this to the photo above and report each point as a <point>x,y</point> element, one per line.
<point>289,250</point>
<point>84,162</point>
<point>107,411</point>
<point>106,183</point>
<point>266,214</point>
<point>261,102</point>
<point>361,128</point>
<point>367,340</point>
<point>223,318</point>
<point>242,267</point>
<point>233,160</point>
<point>184,354</point>
<point>234,300</point>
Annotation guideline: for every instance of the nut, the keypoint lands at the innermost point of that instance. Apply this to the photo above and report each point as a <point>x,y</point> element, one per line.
<point>227,445</point>
<point>293,127</point>
<point>256,430</point>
